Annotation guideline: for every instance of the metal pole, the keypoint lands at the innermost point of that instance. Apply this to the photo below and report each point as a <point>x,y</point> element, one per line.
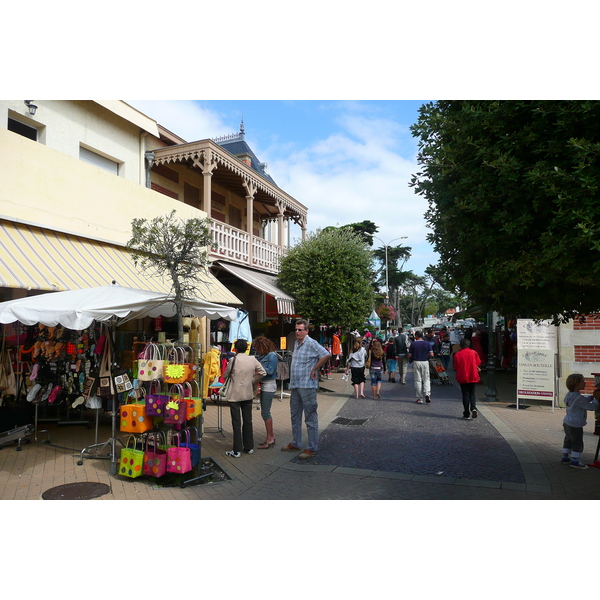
<point>491,394</point>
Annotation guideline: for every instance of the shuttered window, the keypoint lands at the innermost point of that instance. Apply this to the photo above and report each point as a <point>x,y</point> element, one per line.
<point>100,161</point>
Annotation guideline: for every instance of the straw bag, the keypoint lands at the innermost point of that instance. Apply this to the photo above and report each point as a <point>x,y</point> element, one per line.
<point>176,407</point>
<point>132,460</point>
<point>150,363</point>
<point>177,370</point>
<point>133,418</point>
<point>179,458</point>
<point>155,400</point>
<point>194,447</point>
<point>155,459</point>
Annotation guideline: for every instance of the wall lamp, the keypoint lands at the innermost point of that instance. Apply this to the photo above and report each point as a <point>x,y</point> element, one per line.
<point>31,106</point>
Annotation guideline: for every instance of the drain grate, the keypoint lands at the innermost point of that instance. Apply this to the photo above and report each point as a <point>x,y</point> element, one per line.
<point>345,421</point>
<point>85,490</point>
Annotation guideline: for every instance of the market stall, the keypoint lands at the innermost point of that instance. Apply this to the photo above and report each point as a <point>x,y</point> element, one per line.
<point>80,319</point>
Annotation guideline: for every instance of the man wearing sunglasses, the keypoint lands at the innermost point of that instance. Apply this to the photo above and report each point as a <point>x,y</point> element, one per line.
<point>307,359</point>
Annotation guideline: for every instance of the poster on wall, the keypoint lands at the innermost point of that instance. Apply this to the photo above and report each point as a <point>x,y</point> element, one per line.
<point>536,360</point>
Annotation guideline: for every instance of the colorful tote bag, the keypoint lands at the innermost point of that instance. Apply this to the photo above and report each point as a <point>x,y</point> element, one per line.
<point>155,400</point>
<point>176,369</point>
<point>193,400</point>
<point>179,458</point>
<point>150,363</point>
<point>194,447</point>
<point>155,458</point>
<point>131,463</point>
<point>121,381</point>
<point>133,418</point>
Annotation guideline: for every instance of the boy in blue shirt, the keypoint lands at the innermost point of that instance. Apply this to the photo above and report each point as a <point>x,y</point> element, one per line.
<point>576,418</point>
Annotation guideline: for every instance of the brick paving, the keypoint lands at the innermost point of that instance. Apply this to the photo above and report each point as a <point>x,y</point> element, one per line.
<point>402,451</point>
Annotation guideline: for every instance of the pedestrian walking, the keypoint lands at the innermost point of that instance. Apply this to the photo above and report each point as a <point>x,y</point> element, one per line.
<point>576,418</point>
<point>466,365</point>
<point>419,354</point>
<point>356,364</point>
<point>445,350</point>
<point>245,370</point>
<point>377,365</point>
<point>402,344</point>
<point>267,357</point>
<point>308,357</point>
<point>391,359</point>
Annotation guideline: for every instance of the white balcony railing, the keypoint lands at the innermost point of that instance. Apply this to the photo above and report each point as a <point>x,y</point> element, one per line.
<point>234,245</point>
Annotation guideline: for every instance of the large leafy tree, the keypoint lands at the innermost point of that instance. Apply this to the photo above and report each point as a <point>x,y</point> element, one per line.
<point>174,249</point>
<point>329,274</point>
<point>514,207</point>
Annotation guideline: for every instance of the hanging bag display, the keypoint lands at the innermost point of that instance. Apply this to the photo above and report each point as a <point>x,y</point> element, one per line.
<point>131,463</point>
<point>179,458</point>
<point>155,400</point>
<point>176,407</point>
<point>133,418</point>
<point>155,459</point>
<point>224,389</point>
<point>150,364</point>
<point>194,447</point>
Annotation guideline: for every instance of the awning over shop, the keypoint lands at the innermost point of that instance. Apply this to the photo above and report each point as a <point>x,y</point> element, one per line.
<point>264,283</point>
<point>32,258</point>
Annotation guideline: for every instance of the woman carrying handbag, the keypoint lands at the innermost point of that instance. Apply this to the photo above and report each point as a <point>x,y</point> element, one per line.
<point>244,371</point>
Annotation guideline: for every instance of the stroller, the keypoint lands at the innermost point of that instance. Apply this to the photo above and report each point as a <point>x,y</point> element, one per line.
<point>438,373</point>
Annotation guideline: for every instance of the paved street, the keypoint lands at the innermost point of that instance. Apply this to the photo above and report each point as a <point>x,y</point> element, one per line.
<point>390,448</point>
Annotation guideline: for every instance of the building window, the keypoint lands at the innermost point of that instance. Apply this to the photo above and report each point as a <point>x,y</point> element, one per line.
<point>98,160</point>
<point>22,129</point>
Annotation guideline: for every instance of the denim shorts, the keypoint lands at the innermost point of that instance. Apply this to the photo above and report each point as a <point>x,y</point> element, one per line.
<point>375,376</point>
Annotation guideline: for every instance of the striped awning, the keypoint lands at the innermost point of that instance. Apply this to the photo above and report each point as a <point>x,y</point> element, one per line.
<point>264,283</point>
<point>32,258</point>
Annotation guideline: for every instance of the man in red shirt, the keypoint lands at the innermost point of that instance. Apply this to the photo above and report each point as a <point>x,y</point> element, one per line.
<point>466,365</point>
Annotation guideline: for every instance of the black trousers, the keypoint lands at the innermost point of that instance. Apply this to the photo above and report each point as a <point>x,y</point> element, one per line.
<point>241,422</point>
<point>468,397</point>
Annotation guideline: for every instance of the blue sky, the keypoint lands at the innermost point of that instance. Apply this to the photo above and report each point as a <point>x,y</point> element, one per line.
<point>347,161</point>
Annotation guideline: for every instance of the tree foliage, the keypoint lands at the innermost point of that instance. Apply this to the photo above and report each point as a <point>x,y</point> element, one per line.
<point>329,274</point>
<point>173,249</point>
<point>513,202</point>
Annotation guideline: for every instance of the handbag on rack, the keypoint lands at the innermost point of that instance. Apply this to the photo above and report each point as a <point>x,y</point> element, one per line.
<point>176,369</point>
<point>131,463</point>
<point>105,382</point>
<point>193,402</point>
<point>224,389</point>
<point>194,447</point>
<point>155,458</point>
<point>179,458</point>
<point>121,381</point>
<point>176,407</point>
<point>155,400</point>
<point>150,363</point>
<point>133,418</point>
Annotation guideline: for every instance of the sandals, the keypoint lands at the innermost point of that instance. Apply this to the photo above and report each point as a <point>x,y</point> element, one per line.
<point>266,445</point>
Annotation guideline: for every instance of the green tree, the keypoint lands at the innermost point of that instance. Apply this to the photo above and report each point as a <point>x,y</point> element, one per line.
<point>329,274</point>
<point>513,202</point>
<point>173,249</point>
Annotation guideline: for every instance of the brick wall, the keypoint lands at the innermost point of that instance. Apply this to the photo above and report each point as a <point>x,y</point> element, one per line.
<point>592,322</point>
<point>587,354</point>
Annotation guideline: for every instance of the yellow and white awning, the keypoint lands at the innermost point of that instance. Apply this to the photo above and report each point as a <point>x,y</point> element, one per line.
<point>32,258</point>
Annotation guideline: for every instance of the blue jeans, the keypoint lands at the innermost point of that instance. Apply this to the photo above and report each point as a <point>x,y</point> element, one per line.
<point>266,401</point>
<point>304,400</point>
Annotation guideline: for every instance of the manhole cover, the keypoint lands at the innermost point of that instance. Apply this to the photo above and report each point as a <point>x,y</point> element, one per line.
<point>76,491</point>
<point>345,421</point>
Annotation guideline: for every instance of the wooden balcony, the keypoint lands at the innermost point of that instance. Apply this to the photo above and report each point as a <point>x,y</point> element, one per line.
<point>234,246</point>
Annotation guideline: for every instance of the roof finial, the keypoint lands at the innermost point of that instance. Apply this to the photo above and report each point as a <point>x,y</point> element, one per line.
<point>242,130</point>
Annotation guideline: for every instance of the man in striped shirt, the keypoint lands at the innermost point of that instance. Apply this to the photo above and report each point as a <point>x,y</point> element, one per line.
<point>307,359</point>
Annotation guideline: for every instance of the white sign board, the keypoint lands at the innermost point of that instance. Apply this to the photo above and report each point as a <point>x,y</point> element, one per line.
<point>536,360</point>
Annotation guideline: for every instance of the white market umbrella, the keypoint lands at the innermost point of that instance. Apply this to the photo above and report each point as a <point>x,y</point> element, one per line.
<point>77,309</point>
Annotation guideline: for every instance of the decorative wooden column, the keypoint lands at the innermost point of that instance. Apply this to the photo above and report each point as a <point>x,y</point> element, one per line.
<point>250,187</point>
<point>280,241</point>
<point>208,166</point>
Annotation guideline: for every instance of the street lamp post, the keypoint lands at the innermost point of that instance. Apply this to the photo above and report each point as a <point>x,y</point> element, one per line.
<point>386,246</point>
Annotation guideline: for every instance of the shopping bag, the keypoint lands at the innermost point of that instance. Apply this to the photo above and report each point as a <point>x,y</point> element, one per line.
<point>155,400</point>
<point>224,389</point>
<point>131,463</point>
<point>90,385</point>
<point>194,447</point>
<point>155,459</point>
<point>176,407</point>
<point>133,418</point>
<point>176,369</point>
<point>193,400</point>
<point>150,363</point>
<point>121,381</point>
<point>179,458</point>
